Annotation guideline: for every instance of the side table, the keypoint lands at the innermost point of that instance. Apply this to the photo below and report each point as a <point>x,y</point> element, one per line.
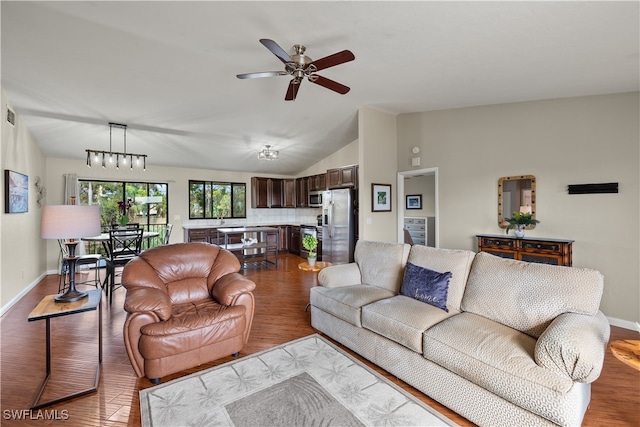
<point>628,352</point>
<point>317,266</point>
<point>47,309</point>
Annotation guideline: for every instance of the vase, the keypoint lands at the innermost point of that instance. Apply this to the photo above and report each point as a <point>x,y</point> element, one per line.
<point>519,232</point>
<point>311,261</point>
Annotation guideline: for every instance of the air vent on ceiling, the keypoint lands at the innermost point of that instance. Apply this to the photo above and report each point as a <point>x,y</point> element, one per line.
<point>11,117</point>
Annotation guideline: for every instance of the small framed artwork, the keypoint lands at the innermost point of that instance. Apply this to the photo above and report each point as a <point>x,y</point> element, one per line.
<point>16,192</point>
<point>380,198</point>
<point>414,201</point>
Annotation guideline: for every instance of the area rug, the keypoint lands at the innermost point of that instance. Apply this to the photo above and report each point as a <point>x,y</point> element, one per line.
<point>306,382</point>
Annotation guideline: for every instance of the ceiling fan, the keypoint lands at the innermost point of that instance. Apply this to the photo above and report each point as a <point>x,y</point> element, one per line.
<point>300,66</point>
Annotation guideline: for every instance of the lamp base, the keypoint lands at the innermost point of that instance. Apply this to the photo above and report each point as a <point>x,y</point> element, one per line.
<point>70,296</point>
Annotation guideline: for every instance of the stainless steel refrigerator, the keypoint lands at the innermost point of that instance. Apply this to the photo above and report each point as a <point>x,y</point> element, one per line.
<point>339,215</point>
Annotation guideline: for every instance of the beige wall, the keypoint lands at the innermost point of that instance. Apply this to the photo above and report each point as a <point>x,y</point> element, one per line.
<point>344,157</point>
<point>564,141</point>
<point>423,185</point>
<point>21,249</point>
<point>377,155</point>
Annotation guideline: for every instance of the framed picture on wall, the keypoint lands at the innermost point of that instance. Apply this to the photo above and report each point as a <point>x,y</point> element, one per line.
<point>16,192</point>
<point>414,201</point>
<point>380,198</point>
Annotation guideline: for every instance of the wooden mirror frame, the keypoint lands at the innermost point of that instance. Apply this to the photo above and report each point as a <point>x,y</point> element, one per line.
<point>501,201</point>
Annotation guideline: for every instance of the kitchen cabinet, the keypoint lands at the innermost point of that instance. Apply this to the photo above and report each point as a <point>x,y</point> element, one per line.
<point>342,177</point>
<point>318,182</point>
<point>205,235</point>
<point>289,194</point>
<point>267,192</point>
<point>302,192</point>
<point>531,249</point>
<point>294,240</point>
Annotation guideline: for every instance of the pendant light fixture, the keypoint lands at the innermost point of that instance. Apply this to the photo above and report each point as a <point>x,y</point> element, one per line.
<point>116,159</point>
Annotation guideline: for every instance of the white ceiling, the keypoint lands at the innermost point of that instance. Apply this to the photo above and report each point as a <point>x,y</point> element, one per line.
<point>167,70</point>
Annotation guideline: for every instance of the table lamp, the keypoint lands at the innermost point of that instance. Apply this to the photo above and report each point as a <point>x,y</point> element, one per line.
<point>70,222</point>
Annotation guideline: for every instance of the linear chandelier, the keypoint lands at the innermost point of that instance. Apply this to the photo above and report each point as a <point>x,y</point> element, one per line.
<point>115,159</point>
<point>267,153</point>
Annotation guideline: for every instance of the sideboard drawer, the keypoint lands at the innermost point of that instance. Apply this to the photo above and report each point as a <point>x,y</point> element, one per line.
<point>543,251</point>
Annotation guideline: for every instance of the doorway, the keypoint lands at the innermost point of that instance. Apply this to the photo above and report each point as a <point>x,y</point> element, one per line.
<point>431,200</point>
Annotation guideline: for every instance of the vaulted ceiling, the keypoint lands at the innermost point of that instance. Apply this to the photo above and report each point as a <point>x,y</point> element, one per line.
<point>168,70</point>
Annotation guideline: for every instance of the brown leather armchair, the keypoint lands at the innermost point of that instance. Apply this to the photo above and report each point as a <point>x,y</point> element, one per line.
<point>187,305</point>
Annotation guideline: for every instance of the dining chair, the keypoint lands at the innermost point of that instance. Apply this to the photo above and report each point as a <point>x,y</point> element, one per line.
<point>128,226</point>
<point>91,260</point>
<point>167,233</point>
<point>123,245</point>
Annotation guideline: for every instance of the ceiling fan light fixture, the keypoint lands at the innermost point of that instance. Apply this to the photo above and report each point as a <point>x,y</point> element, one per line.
<point>268,154</point>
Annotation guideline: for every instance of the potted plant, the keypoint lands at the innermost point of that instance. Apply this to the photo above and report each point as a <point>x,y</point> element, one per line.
<point>519,221</point>
<point>310,243</point>
<point>124,207</point>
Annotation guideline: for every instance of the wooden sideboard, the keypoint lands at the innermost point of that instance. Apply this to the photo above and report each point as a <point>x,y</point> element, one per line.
<point>531,249</point>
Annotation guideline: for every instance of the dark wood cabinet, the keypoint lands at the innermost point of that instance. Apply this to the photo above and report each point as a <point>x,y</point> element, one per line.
<point>531,249</point>
<point>267,193</point>
<point>342,177</point>
<point>318,182</point>
<point>294,239</point>
<point>302,192</point>
<point>289,195</point>
<point>205,235</point>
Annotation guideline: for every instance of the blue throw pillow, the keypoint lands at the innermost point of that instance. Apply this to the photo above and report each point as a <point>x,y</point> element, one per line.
<point>426,285</point>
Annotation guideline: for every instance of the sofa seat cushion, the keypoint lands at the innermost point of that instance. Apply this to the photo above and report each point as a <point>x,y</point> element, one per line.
<point>497,358</point>
<point>346,303</point>
<point>528,296</point>
<point>402,319</point>
<point>191,326</point>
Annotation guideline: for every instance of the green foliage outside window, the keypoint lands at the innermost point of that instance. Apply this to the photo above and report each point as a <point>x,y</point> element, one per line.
<point>217,200</point>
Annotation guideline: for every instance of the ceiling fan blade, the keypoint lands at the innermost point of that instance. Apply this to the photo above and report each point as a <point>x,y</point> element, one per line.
<point>333,60</point>
<point>276,50</point>
<point>261,74</point>
<point>292,90</point>
<point>329,84</point>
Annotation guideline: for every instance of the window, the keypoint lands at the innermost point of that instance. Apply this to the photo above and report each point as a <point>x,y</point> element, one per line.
<point>149,203</point>
<point>209,199</point>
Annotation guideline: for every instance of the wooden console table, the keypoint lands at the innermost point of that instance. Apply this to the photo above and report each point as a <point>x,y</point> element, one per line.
<point>531,249</point>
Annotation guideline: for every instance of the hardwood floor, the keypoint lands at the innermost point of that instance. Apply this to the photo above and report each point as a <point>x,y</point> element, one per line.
<point>281,297</point>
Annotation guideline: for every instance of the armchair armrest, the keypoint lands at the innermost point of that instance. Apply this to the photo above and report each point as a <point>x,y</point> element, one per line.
<point>141,299</point>
<point>229,287</point>
<point>574,345</point>
<point>340,275</point>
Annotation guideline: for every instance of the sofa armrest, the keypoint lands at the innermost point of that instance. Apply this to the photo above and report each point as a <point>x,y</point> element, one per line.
<point>574,345</point>
<point>340,275</point>
<point>229,287</point>
<point>141,299</point>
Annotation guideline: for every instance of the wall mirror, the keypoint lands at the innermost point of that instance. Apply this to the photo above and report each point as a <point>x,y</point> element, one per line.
<point>516,194</point>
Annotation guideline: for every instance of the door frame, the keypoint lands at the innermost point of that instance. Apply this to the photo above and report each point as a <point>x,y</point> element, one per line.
<point>401,211</point>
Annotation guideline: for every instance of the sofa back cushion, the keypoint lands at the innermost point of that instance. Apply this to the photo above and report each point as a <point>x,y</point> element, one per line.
<point>382,264</point>
<point>528,296</point>
<point>456,261</point>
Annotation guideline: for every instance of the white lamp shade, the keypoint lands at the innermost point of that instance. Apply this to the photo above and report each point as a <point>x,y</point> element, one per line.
<point>69,221</point>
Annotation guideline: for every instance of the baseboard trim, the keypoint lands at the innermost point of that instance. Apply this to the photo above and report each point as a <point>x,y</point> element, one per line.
<point>626,324</point>
<point>17,298</point>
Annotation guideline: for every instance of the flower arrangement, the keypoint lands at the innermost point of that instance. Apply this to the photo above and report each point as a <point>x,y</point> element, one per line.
<point>124,207</point>
<point>520,220</point>
<point>310,243</point>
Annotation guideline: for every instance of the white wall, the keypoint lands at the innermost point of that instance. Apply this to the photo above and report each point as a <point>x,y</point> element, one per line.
<point>21,250</point>
<point>565,141</point>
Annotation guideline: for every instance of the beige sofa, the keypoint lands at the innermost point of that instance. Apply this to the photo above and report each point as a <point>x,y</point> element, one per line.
<point>519,345</point>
